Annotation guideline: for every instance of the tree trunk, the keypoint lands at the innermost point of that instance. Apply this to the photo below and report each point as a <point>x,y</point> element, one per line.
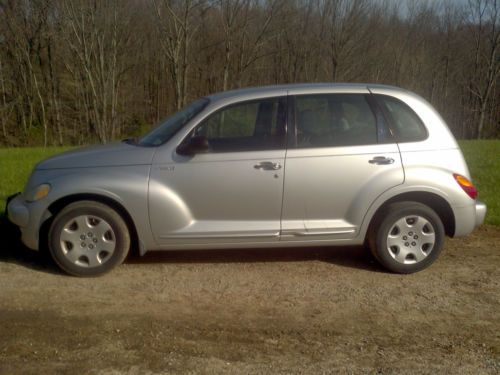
<point>4,104</point>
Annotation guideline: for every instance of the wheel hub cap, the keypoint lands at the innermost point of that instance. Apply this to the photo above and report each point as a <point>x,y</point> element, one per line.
<point>411,239</point>
<point>88,241</point>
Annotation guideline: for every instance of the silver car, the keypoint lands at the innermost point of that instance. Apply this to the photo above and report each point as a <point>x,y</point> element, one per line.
<point>278,166</point>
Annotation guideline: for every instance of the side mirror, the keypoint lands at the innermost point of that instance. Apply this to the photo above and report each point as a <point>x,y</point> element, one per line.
<point>195,145</point>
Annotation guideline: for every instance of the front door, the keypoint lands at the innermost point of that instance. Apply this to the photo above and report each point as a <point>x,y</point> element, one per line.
<point>233,191</point>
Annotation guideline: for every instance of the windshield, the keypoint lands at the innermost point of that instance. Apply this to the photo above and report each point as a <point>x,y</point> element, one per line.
<point>172,124</point>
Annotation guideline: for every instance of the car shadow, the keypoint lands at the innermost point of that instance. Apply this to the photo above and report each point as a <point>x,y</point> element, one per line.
<point>345,256</point>
<point>13,251</point>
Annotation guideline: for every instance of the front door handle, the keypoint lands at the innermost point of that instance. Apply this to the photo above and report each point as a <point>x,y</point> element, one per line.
<point>267,166</point>
<point>381,160</point>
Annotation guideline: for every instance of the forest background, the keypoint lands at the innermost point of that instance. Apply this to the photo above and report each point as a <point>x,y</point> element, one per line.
<point>76,72</point>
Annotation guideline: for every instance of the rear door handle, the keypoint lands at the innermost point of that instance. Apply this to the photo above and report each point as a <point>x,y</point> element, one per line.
<point>381,160</point>
<point>267,166</point>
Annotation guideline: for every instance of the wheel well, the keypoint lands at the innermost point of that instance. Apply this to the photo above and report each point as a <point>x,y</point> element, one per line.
<point>434,201</point>
<point>56,206</point>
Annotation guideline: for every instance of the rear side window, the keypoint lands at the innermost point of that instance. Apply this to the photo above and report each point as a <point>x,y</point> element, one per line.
<point>405,123</point>
<point>334,120</point>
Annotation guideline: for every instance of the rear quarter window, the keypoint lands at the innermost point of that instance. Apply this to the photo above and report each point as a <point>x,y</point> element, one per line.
<point>405,123</point>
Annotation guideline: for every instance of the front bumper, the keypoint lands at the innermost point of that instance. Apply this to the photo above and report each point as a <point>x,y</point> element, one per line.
<point>16,211</point>
<point>26,217</point>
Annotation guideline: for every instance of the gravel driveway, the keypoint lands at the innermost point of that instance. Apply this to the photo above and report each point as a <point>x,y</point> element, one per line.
<point>280,311</point>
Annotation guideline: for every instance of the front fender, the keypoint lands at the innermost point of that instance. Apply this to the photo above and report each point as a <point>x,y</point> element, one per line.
<point>128,186</point>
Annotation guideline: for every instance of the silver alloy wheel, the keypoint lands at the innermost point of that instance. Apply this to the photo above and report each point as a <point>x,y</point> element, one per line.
<point>88,241</point>
<point>411,239</point>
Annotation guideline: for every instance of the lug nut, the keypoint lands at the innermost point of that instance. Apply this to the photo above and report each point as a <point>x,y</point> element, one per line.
<point>89,234</point>
<point>95,240</point>
<point>407,244</point>
<point>83,244</point>
<point>405,238</point>
<point>82,237</point>
<point>91,246</point>
<point>415,237</point>
<point>413,243</point>
<point>410,234</point>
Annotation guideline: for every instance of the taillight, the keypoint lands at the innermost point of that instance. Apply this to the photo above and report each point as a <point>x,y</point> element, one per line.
<point>465,184</point>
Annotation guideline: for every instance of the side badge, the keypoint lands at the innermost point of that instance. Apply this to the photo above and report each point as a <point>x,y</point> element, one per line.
<point>168,168</point>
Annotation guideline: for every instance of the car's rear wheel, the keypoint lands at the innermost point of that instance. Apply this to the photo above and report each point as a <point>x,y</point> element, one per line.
<point>88,238</point>
<point>406,237</point>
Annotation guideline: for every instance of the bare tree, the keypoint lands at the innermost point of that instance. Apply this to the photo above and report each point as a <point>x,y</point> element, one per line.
<point>4,104</point>
<point>97,35</point>
<point>234,17</point>
<point>176,30</point>
<point>485,29</point>
<point>346,20</point>
<point>25,24</point>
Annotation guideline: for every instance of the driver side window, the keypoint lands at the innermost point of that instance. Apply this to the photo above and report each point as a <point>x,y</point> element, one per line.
<point>248,126</point>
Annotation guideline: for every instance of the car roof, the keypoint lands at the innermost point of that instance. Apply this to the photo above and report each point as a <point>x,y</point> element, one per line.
<point>297,89</point>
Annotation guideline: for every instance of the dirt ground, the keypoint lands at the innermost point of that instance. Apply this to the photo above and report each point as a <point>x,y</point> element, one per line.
<point>287,311</point>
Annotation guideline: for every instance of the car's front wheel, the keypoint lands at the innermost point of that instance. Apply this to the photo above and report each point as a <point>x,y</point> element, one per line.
<point>88,238</point>
<point>406,237</point>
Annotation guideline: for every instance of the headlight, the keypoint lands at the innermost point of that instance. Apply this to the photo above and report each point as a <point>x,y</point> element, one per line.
<point>41,191</point>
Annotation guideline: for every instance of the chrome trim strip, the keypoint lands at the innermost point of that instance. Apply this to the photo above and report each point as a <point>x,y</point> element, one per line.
<point>319,233</point>
<point>220,235</point>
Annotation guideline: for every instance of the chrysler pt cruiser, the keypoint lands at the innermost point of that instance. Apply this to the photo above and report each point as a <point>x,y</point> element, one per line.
<point>279,166</point>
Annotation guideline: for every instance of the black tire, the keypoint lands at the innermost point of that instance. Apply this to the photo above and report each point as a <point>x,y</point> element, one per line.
<point>96,232</point>
<point>406,237</point>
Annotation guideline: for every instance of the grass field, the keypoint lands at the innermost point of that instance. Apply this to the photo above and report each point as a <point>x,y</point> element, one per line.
<point>16,165</point>
<point>483,158</point>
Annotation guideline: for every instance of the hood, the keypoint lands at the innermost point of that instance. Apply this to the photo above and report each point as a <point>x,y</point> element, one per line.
<point>109,155</point>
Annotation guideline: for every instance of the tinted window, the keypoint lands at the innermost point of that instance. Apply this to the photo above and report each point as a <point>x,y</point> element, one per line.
<point>406,124</point>
<point>255,125</point>
<point>334,120</point>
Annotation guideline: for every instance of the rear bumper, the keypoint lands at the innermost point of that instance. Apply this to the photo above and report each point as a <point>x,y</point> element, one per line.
<point>469,217</point>
<point>480,213</point>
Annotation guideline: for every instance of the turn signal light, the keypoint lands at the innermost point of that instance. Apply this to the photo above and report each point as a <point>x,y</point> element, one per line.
<point>466,185</point>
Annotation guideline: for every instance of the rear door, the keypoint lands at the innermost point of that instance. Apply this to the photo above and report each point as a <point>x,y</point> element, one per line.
<point>338,162</point>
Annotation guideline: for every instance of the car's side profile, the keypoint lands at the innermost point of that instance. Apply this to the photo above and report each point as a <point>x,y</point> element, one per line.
<point>277,166</point>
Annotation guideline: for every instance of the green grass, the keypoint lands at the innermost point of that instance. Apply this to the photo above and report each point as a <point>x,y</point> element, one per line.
<point>483,159</point>
<point>16,165</point>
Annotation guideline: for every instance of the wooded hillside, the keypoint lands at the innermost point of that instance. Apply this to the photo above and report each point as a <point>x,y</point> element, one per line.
<point>81,71</point>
